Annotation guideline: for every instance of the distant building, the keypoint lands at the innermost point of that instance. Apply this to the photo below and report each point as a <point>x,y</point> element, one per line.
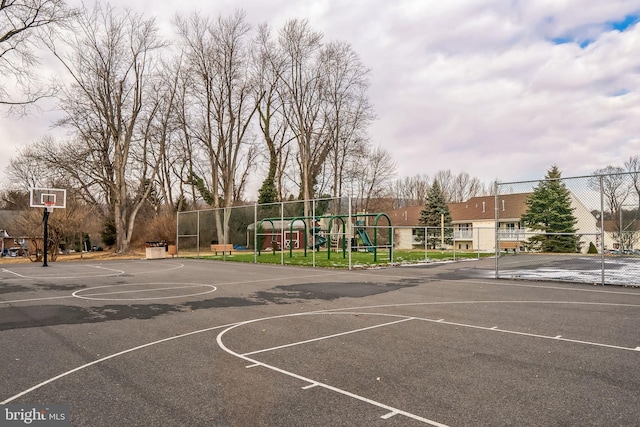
<point>474,224</point>
<point>630,234</point>
<point>12,242</point>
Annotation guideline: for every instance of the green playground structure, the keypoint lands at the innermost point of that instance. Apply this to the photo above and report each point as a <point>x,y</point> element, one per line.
<point>320,238</point>
<point>362,233</point>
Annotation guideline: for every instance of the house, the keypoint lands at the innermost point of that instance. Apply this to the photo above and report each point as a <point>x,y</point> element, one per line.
<point>12,244</point>
<point>272,233</point>
<point>630,235</point>
<point>474,224</point>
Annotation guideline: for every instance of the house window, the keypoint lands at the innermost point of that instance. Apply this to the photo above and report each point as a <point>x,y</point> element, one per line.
<point>464,231</point>
<point>510,230</point>
<point>415,237</point>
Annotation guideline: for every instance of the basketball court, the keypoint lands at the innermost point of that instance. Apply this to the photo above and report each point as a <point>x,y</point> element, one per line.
<point>179,342</point>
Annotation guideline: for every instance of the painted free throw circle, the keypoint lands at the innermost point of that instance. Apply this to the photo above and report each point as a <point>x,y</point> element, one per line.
<point>144,291</point>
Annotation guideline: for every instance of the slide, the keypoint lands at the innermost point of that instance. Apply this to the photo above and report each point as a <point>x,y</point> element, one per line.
<point>318,240</point>
<point>365,239</point>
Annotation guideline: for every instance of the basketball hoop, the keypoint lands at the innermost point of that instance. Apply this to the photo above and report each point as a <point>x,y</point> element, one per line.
<point>49,206</point>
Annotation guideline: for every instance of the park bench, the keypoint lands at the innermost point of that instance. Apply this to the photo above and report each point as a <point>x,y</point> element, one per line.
<point>227,248</point>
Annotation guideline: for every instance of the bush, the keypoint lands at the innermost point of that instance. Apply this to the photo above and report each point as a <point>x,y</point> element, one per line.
<point>592,248</point>
<point>162,227</point>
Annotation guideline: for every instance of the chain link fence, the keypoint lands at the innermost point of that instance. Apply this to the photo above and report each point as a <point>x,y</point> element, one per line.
<point>595,240</point>
<point>290,233</point>
<point>581,229</point>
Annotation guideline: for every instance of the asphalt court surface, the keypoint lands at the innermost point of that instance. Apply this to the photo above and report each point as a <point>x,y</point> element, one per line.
<point>180,342</point>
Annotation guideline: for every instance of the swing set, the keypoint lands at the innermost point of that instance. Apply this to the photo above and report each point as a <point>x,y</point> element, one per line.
<point>319,237</point>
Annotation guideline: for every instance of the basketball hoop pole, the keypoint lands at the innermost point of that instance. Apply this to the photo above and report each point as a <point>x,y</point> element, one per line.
<point>45,239</point>
<point>49,199</point>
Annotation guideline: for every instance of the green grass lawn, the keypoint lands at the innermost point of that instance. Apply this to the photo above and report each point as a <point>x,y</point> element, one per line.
<point>358,259</point>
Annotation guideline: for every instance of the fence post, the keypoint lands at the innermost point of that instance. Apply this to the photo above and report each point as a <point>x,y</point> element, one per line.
<point>282,233</point>
<point>349,234</point>
<point>255,233</point>
<point>177,235</point>
<point>602,264</point>
<point>495,226</point>
<point>426,254</point>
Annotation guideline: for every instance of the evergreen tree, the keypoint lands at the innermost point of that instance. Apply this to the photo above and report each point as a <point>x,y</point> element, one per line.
<point>268,192</point>
<point>431,217</point>
<point>550,211</point>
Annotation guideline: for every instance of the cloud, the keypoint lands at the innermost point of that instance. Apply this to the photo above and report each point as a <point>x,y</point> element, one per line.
<point>498,89</point>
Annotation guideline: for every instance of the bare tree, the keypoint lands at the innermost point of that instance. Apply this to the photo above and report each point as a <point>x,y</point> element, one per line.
<point>25,171</point>
<point>268,65</point>
<point>111,61</point>
<point>458,188</point>
<point>21,24</point>
<point>446,181</point>
<point>633,167</point>
<point>165,131</point>
<point>375,177</point>
<point>615,186</point>
<point>218,55</point>
<point>466,187</point>
<point>348,109</point>
<point>301,92</point>
<point>411,190</point>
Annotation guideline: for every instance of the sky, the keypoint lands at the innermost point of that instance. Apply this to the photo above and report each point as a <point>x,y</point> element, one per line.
<point>499,89</point>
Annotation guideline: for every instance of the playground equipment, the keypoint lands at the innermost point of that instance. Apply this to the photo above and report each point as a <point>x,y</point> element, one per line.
<point>362,233</point>
<point>317,239</point>
<point>322,237</point>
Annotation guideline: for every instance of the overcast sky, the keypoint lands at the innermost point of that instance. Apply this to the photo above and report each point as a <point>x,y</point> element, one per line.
<point>500,89</point>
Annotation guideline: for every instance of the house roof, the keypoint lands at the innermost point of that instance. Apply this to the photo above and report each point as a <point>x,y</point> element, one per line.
<point>408,216</point>
<point>510,206</point>
<point>612,226</point>
<point>8,219</point>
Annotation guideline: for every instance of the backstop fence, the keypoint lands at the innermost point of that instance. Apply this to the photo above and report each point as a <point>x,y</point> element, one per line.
<point>596,239</point>
<point>296,232</point>
<point>581,229</point>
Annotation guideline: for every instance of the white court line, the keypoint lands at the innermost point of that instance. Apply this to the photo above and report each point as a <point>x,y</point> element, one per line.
<point>113,272</point>
<point>327,337</point>
<point>80,276</point>
<point>485,328</point>
<point>526,334</point>
<point>393,411</point>
<point>4,270</point>
<point>183,286</point>
<point>242,282</point>
<point>146,290</point>
<point>176,267</point>
<point>319,312</point>
<point>95,362</point>
<point>35,299</point>
<point>318,383</point>
<point>408,304</point>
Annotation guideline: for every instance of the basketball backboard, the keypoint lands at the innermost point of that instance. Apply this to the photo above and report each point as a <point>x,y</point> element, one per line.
<point>48,197</point>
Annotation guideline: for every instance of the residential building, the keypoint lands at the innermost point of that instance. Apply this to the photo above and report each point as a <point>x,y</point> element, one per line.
<point>474,224</point>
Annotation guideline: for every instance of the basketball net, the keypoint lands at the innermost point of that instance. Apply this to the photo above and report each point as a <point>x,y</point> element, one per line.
<point>49,206</point>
